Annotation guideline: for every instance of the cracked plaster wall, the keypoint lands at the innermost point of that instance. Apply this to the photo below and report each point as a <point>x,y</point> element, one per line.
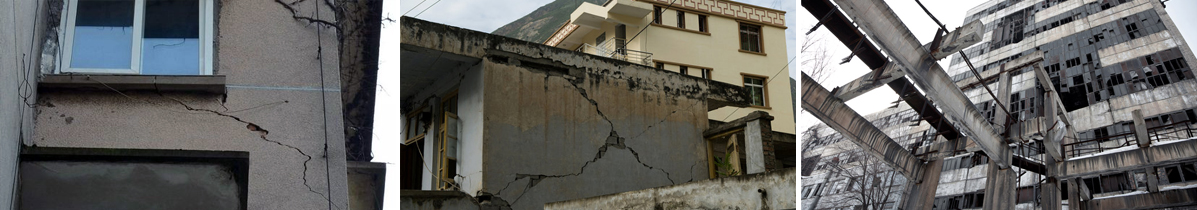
<point>556,137</point>
<point>260,48</point>
<point>560,125</point>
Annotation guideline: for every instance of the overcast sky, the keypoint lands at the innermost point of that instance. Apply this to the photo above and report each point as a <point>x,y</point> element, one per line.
<point>952,14</point>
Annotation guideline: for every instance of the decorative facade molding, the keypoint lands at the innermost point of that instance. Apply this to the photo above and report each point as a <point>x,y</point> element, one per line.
<point>561,33</point>
<point>730,9</point>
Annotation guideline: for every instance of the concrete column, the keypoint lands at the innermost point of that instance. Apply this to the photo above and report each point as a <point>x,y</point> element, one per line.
<point>921,193</point>
<point>1055,133</point>
<point>1049,194</point>
<point>1003,96</point>
<point>1000,188</point>
<point>1153,180</point>
<point>1141,129</point>
<point>754,153</point>
<point>1074,194</point>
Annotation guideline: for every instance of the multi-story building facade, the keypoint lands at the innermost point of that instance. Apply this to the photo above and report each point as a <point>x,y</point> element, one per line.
<point>201,104</point>
<point>1109,60</point>
<point>720,40</point>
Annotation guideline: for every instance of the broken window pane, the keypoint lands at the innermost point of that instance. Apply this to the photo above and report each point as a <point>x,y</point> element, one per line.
<point>171,43</point>
<point>103,36</point>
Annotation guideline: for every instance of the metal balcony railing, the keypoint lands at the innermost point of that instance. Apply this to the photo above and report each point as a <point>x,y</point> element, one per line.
<point>617,48</point>
<point>1159,134</point>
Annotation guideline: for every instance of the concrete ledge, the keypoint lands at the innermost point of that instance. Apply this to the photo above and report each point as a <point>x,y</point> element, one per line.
<point>191,83</point>
<point>769,190</point>
<point>1131,160</point>
<point>738,123</point>
<point>1162,199</point>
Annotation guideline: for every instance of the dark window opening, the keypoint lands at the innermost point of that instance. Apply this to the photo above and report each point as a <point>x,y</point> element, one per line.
<point>657,14</point>
<point>681,19</point>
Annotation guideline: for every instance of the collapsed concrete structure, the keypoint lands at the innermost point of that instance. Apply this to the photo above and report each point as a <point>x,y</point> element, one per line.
<point>1075,104</point>
<point>515,124</point>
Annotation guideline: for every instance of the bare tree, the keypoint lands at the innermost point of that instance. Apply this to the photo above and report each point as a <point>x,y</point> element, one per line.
<point>816,58</point>
<point>860,180</point>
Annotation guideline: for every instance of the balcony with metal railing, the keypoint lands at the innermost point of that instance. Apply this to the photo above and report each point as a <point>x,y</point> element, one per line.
<point>617,48</point>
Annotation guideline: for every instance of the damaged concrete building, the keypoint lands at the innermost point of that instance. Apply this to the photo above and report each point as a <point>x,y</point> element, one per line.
<point>496,122</point>
<point>1075,104</point>
<point>188,104</point>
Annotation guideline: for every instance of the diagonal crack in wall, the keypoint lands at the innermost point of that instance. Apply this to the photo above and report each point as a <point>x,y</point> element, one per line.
<point>613,140</point>
<point>262,134</point>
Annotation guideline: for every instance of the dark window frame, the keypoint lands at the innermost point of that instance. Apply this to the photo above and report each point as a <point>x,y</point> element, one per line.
<point>238,161</point>
<point>657,14</point>
<point>681,19</point>
<point>751,38</point>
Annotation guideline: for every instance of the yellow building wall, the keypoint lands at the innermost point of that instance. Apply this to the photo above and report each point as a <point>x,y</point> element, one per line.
<point>718,49</point>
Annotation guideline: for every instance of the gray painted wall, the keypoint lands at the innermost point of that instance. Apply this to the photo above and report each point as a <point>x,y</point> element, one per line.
<point>20,42</point>
<point>557,137</point>
<point>275,66</point>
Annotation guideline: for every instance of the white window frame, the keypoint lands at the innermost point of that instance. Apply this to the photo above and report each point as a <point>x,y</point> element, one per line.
<point>67,37</point>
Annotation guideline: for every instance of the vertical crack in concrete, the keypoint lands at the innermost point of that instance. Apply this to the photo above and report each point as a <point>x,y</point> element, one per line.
<point>262,134</point>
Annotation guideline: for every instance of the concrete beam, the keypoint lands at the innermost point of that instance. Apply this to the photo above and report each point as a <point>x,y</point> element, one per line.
<point>883,25</point>
<point>957,40</point>
<point>854,127</point>
<point>1161,200</point>
<point>868,82</point>
<point>1143,158</point>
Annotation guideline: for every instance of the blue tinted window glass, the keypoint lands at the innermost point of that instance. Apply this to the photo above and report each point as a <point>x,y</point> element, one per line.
<point>171,45</point>
<point>103,36</point>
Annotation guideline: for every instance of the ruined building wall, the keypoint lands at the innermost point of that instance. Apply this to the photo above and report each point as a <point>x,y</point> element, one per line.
<point>276,108</point>
<point>553,136</point>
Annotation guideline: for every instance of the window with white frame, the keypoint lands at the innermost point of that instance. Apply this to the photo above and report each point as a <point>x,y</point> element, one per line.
<point>756,90</point>
<point>151,37</point>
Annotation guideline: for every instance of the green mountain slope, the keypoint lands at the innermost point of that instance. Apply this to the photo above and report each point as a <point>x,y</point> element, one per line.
<point>542,22</point>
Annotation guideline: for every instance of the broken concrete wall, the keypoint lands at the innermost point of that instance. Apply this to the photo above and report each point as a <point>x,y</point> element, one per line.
<point>20,40</point>
<point>552,136</point>
<point>282,105</point>
<point>561,125</point>
<point>769,190</point>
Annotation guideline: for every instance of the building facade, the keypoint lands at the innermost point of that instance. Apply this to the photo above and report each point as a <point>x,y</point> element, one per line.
<point>720,40</point>
<point>1123,74</point>
<point>201,104</point>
